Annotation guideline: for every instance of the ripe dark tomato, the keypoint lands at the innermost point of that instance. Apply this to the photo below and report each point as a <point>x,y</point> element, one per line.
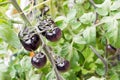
<point>39,60</point>
<point>62,65</point>
<point>54,35</point>
<point>110,49</point>
<point>29,40</point>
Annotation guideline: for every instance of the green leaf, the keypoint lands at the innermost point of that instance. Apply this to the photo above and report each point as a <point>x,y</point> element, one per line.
<point>70,75</point>
<point>26,63</point>
<point>98,1</point>
<point>106,4</point>
<point>114,77</point>
<point>87,18</point>
<point>112,30</point>
<point>60,22</point>
<point>35,77</point>
<point>71,15</point>
<point>117,15</point>
<point>84,71</point>
<point>87,5</point>
<point>13,72</point>
<point>102,11</point>
<point>79,39</point>
<point>96,78</point>
<point>9,36</point>
<point>81,57</point>
<point>89,34</point>
<point>104,8</point>
<point>3,48</point>
<point>3,67</point>
<point>60,18</point>
<point>80,1</point>
<point>65,49</point>
<point>88,55</point>
<point>100,70</point>
<point>2,1</point>
<point>115,5</point>
<point>75,25</point>
<point>51,75</point>
<point>74,60</point>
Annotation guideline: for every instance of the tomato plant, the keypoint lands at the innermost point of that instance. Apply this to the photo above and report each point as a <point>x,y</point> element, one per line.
<point>59,39</point>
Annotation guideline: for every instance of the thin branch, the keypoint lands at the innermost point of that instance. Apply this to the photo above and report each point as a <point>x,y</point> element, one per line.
<point>15,4</point>
<point>49,53</point>
<point>95,25</point>
<point>96,14</point>
<point>100,57</point>
<point>92,2</point>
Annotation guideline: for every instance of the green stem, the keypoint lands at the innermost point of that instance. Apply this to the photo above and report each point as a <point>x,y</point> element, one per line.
<point>101,58</point>
<point>50,57</point>
<point>15,4</point>
<point>49,54</point>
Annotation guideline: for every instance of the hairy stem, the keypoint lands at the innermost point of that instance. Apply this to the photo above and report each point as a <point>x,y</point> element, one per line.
<point>95,25</point>
<point>100,57</point>
<point>92,3</point>
<point>15,4</point>
<point>49,54</point>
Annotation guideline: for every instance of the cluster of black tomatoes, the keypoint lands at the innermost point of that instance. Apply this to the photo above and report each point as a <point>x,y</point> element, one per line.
<point>30,40</point>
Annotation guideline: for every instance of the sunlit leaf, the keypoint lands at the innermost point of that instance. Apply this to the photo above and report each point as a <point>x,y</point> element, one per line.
<point>35,77</point>
<point>115,5</point>
<point>71,14</point>
<point>9,36</point>
<point>3,67</point>
<point>89,34</point>
<point>26,63</point>
<point>87,18</point>
<point>96,78</point>
<point>102,11</point>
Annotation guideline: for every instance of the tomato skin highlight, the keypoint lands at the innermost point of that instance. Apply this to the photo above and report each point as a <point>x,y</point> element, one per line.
<point>30,43</point>
<point>63,66</point>
<point>54,35</point>
<point>39,60</point>
<point>110,49</point>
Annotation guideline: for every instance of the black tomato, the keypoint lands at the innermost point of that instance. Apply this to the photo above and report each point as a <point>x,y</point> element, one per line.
<point>53,35</point>
<point>29,40</point>
<point>62,65</point>
<point>39,60</point>
<point>110,49</point>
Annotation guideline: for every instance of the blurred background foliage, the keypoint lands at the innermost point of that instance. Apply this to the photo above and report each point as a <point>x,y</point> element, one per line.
<point>76,19</point>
